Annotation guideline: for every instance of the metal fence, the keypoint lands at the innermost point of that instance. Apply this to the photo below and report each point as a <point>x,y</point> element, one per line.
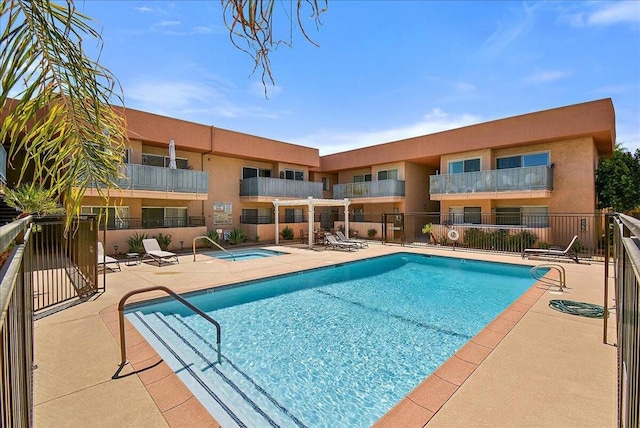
<point>16,326</point>
<point>486,231</point>
<point>115,223</point>
<point>626,236</point>
<point>65,267</point>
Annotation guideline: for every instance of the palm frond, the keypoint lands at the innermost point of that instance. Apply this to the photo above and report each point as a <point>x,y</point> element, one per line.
<point>56,101</point>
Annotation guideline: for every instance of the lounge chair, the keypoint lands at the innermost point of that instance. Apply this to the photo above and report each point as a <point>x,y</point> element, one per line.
<point>360,242</point>
<point>551,252</point>
<point>152,248</point>
<point>105,261</point>
<point>331,241</point>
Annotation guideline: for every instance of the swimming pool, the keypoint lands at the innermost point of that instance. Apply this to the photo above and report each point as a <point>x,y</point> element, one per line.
<point>334,346</point>
<point>248,254</point>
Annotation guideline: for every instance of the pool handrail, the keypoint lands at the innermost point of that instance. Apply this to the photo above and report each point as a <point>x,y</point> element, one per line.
<point>214,243</point>
<point>123,347</point>
<point>561,282</point>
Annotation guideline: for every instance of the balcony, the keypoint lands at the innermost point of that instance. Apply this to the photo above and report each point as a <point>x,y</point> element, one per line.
<point>257,187</point>
<point>144,181</point>
<point>529,182</point>
<point>381,190</point>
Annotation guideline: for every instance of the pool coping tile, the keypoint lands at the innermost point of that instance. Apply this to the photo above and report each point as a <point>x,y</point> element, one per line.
<point>181,408</point>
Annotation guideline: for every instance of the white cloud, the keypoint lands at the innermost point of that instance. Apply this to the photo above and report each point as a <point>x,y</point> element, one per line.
<point>543,76</point>
<point>508,32</point>
<point>194,101</point>
<point>608,13</point>
<point>332,142</point>
<point>168,23</point>
<point>464,87</point>
<point>143,9</point>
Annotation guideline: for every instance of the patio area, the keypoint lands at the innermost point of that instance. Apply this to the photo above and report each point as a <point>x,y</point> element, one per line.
<point>533,366</point>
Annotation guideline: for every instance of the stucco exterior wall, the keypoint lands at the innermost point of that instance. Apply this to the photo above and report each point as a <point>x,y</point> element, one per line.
<point>417,188</point>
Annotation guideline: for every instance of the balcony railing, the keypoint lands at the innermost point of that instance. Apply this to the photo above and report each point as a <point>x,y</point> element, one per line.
<point>3,165</point>
<point>369,189</point>
<point>155,178</point>
<point>501,180</point>
<point>278,187</point>
<point>153,223</point>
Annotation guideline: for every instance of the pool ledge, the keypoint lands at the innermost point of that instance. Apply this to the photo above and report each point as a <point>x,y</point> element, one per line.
<point>178,405</point>
<point>426,399</point>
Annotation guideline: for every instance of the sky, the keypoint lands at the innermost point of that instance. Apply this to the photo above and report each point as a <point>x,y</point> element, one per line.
<point>382,70</point>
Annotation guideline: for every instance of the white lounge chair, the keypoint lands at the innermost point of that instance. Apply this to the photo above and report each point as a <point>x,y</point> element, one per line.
<point>360,242</point>
<point>550,252</point>
<point>105,261</point>
<point>331,241</point>
<point>152,248</point>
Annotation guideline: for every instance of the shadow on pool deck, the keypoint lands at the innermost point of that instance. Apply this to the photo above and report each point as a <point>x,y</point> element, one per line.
<point>532,366</point>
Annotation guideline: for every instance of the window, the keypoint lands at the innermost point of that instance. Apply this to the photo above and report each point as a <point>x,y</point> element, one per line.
<point>390,174</point>
<point>164,217</point>
<point>533,159</point>
<point>163,161</point>
<point>116,217</point>
<point>523,216</point>
<point>293,215</point>
<point>361,178</point>
<point>468,165</point>
<point>326,184</point>
<point>250,172</point>
<point>292,174</point>
<point>468,215</point>
<point>127,155</point>
<point>256,216</point>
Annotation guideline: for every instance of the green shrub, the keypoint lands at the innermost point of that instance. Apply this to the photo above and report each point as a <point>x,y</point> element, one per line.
<point>163,241</point>
<point>238,236</point>
<point>213,235</point>
<point>135,243</point>
<point>499,240</point>
<point>544,245</point>
<point>371,233</point>
<point>287,233</point>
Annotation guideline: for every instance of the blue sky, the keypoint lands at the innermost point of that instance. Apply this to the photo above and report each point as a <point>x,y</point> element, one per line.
<point>383,71</point>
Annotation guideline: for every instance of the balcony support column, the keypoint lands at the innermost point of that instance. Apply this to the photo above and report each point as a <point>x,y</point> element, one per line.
<point>276,205</point>
<point>346,218</point>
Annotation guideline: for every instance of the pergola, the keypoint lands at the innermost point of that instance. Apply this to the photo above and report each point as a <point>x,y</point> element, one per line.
<point>312,203</point>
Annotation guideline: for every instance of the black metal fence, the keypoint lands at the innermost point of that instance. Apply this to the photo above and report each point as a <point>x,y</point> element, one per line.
<point>65,267</point>
<point>113,223</point>
<point>16,326</point>
<point>626,236</point>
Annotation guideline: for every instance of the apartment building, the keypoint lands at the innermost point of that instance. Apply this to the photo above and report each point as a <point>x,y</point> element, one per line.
<point>512,171</point>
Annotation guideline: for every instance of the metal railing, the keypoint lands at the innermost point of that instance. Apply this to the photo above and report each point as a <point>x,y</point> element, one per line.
<point>140,223</point>
<point>626,243</point>
<point>500,180</point>
<point>278,187</point>
<point>16,326</point>
<point>214,243</point>
<point>123,300</point>
<point>155,178</point>
<point>65,266</point>
<point>369,189</point>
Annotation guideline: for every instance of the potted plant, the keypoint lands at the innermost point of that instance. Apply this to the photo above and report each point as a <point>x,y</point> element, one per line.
<point>426,229</point>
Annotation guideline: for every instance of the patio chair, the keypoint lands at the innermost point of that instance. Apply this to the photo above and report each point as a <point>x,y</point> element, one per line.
<point>304,236</point>
<point>552,252</point>
<point>360,242</point>
<point>105,261</point>
<point>152,249</point>
<point>331,241</point>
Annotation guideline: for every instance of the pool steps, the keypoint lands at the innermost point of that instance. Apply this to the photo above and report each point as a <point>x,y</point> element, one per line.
<point>228,404</point>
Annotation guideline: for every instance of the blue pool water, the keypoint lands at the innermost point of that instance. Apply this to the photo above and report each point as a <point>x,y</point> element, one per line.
<point>249,254</point>
<point>335,346</point>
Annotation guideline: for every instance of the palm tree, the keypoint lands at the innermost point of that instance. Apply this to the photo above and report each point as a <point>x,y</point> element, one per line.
<point>32,199</point>
<point>56,101</point>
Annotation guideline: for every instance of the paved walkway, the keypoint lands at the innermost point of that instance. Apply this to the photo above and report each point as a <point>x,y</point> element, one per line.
<point>550,370</point>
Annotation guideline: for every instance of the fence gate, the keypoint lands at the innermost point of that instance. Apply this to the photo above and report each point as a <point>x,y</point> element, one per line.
<point>63,267</point>
<point>393,228</point>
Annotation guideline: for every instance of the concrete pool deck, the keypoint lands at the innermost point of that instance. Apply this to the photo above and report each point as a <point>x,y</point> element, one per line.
<point>532,366</point>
